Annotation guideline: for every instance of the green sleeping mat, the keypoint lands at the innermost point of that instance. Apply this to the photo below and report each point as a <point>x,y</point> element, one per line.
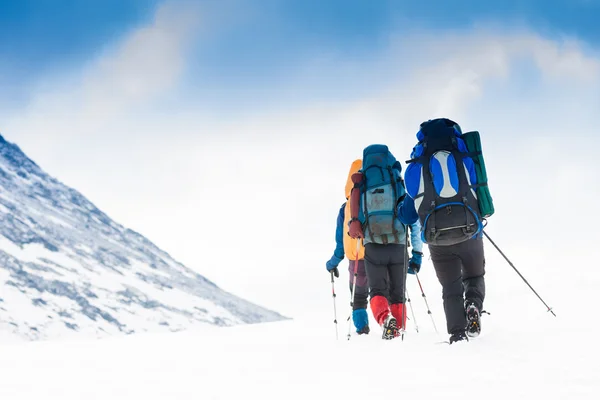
<point>473,143</point>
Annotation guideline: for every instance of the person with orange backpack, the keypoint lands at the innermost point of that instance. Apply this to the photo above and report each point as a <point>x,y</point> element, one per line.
<point>347,246</point>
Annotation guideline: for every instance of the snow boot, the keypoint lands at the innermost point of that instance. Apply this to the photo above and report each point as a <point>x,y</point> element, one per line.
<point>458,337</point>
<point>364,331</point>
<point>384,317</point>
<point>399,312</point>
<point>361,320</point>
<point>390,329</point>
<point>473,319</point>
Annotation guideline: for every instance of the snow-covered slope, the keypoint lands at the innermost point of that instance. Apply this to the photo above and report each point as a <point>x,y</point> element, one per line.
<point>67,268</point>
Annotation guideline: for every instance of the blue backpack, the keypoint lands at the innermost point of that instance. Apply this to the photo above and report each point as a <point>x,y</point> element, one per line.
<point>381,189</point>
<point>441,178</point>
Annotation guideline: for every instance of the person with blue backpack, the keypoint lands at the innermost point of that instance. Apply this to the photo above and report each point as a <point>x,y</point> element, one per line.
<point>354,250</point>
<point>447,192</point>
<point>378,189</point>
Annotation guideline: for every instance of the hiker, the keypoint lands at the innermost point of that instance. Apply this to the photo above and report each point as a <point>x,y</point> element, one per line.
<point>378,187</point>
<point>345,245</point>
<point>447,194</point>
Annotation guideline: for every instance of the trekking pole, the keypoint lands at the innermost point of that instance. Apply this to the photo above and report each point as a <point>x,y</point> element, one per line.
<point>517,271</point>
<point>334,309</point>
<point>412,311</point>
<point>426,304</point>
<point>353,287</point>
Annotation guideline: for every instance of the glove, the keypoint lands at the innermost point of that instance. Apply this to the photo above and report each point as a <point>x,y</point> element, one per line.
<point>355,229</point>
<point>414,264</point>
<point>332,264</point>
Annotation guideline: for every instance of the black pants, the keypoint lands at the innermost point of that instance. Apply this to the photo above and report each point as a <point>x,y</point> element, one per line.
<point>386,271</point>
<point>460,269</point>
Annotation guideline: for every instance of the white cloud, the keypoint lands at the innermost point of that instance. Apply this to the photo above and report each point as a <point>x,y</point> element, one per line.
<point>251,202</point>
<point>123,79</point>
<point>148,63</point>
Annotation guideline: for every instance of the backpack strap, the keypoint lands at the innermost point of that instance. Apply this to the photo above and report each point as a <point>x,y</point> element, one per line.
<point>427,175</point>
<point>393,183</point>
<point>368,226</point>
<point>364,171</point>
<point>462,176</point>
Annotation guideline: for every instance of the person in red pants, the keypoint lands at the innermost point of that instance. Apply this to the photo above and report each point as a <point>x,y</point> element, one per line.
<point>378,189</point>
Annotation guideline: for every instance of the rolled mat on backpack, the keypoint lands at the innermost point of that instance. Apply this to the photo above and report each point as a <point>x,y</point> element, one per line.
<point>357,178</point>
<point>473,142</point>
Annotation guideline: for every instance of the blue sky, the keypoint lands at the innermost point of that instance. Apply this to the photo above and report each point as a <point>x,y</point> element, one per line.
<point>38,37</point>
<point>150,108</point>
<point>262,41</point>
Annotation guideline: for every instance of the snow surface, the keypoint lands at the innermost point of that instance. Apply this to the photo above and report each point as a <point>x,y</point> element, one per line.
<point>523,353</point>
<point>301,359</point>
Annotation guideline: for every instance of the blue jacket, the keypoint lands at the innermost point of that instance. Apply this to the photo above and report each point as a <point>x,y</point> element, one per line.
<point>415,236</point>
<point>407,213</point>
<point>339,234</point>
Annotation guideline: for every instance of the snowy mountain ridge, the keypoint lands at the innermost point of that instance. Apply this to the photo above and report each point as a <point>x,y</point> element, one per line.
<point>67,268</point>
